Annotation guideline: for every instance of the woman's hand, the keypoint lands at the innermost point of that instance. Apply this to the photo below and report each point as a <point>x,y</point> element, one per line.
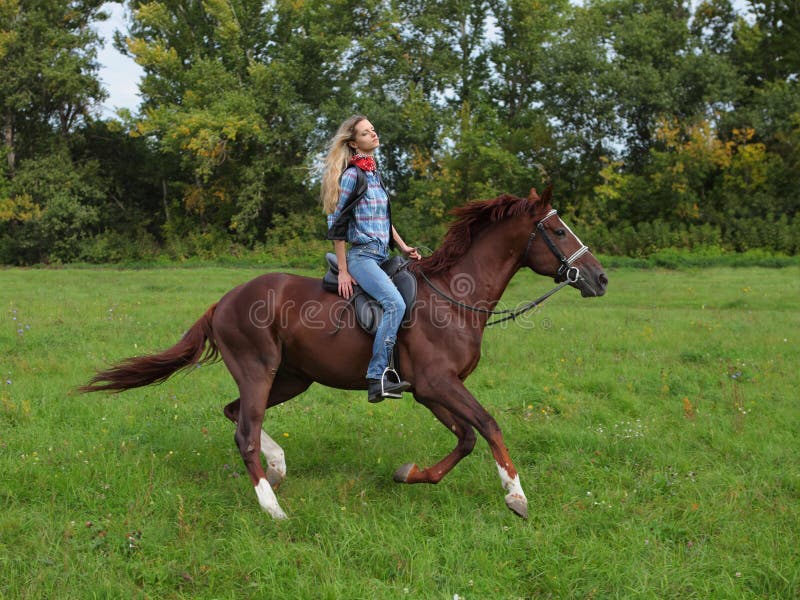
<point>412,253</point>
<point>346,283</point>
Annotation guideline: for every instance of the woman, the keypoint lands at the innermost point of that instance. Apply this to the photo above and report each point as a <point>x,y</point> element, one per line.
<point>360,214</point>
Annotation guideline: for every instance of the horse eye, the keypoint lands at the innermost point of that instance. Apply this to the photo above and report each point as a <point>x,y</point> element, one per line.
<point>561,232</point>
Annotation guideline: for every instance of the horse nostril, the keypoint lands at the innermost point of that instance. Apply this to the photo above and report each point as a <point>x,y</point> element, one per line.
<point>602,280</point>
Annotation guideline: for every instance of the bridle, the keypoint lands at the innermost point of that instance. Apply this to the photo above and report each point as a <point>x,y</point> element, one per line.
<point>566,270</point>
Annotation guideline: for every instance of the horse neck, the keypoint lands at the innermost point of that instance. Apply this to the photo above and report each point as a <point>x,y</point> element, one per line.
<point>482,274</point>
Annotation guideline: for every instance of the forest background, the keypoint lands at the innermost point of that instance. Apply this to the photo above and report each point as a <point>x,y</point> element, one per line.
<point>660,123</point>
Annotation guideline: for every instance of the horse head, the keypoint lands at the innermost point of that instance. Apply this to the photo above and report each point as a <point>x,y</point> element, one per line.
<point>555,251</point>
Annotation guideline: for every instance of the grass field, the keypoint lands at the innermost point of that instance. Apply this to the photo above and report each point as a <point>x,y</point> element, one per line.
<point>655,431</point>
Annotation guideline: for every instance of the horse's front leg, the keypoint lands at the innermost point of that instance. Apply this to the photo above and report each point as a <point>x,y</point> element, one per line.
<point>455,398</point>
<point>410,473</point>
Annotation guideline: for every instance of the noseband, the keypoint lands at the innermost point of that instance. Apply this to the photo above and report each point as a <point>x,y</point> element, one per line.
<point>566,272</point>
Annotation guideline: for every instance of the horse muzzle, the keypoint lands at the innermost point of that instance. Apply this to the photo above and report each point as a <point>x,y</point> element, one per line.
<point>591,285</point>
<point>591,282</point>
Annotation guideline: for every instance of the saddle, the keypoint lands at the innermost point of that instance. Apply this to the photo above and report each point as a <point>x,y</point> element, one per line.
<point>368,311</point>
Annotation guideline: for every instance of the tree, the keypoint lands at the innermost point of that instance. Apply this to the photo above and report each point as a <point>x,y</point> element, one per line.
<point>48,59</point>
<point>49,86</point>
<point>236,92</point>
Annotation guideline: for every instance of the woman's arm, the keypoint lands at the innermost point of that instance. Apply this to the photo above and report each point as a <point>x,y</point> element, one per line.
<point>405,248</point>
<point>347,185</point>
<point>346,280</point>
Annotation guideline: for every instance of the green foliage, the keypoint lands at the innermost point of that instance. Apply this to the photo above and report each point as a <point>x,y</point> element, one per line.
<point>63,210</point>
<point>697,190</point>
<point>661,123</point>
<point>47,57</point>
<point>296,240</point>
<point>236,111</point>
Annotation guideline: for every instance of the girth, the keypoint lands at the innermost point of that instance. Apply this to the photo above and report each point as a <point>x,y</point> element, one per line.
<point>368,311</point>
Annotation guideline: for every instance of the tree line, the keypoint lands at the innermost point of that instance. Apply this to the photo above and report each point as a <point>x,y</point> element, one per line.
<point>660,123</point>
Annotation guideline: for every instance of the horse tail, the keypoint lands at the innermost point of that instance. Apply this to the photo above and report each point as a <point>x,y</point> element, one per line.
<point>196,346</point>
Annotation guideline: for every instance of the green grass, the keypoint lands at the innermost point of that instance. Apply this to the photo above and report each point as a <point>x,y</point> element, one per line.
<point>655,431</point>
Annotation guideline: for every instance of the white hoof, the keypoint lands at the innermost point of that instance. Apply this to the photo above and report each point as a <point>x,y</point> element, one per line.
<point>274,477</point>
<point>402,472</point>
<point>275,458</point>
<point>268,500</point>
<point>518,505</point>
<point>515,499</point>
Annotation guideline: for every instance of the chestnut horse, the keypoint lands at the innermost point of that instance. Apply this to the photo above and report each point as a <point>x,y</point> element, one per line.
<point>279,333</point>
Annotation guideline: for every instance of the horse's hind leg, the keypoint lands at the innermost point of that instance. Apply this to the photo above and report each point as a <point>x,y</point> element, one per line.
<point>273,453</point>
<point>410,473</point>
<point>285,387</point>
<point>253,393</point>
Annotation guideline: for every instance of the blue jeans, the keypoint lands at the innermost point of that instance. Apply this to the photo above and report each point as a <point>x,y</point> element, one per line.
<point>363,262</point>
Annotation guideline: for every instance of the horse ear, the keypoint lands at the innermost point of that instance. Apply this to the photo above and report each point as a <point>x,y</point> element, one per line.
<point>547,195</point>
<point>533,196</point>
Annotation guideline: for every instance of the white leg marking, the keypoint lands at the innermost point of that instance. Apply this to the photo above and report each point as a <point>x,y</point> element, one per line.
<point>268,500</point>
<point>273,454</point>
<point>512,486</point>
<point>515,499</point>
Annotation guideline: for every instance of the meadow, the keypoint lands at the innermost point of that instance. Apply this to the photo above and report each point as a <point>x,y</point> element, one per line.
<point>655,431</point>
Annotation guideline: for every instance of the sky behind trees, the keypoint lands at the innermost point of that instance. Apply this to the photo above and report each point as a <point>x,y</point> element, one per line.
<point>119,73</point>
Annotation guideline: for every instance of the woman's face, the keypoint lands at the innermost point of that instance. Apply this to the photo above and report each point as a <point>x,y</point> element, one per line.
<point>366,140</point>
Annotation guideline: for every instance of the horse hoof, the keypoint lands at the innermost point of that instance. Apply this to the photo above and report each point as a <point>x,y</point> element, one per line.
<point>268,501</point>
<point>518,505</point>
<point>279,515</point>
<point>274,477</point>
<point>402,473</point>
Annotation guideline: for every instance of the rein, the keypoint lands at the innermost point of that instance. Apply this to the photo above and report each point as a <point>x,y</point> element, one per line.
<point>571,275</point>
<point>510,314</point>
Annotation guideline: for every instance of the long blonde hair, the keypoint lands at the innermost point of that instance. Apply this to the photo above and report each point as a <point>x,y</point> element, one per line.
<point>336,161</point>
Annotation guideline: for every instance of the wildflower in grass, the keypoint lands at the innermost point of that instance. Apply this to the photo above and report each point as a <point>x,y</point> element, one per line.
<point>688,409</point>
<point>134,538</point>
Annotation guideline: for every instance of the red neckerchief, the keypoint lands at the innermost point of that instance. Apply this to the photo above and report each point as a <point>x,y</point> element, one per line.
<point>363,162</point>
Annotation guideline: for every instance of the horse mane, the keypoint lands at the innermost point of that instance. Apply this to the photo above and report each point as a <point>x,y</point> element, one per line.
<point>471,220</point>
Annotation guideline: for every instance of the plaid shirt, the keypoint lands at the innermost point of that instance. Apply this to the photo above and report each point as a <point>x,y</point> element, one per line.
<point>371,214</point>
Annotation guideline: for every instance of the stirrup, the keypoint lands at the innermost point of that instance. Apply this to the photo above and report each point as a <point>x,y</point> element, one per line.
<point>389,372</point>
